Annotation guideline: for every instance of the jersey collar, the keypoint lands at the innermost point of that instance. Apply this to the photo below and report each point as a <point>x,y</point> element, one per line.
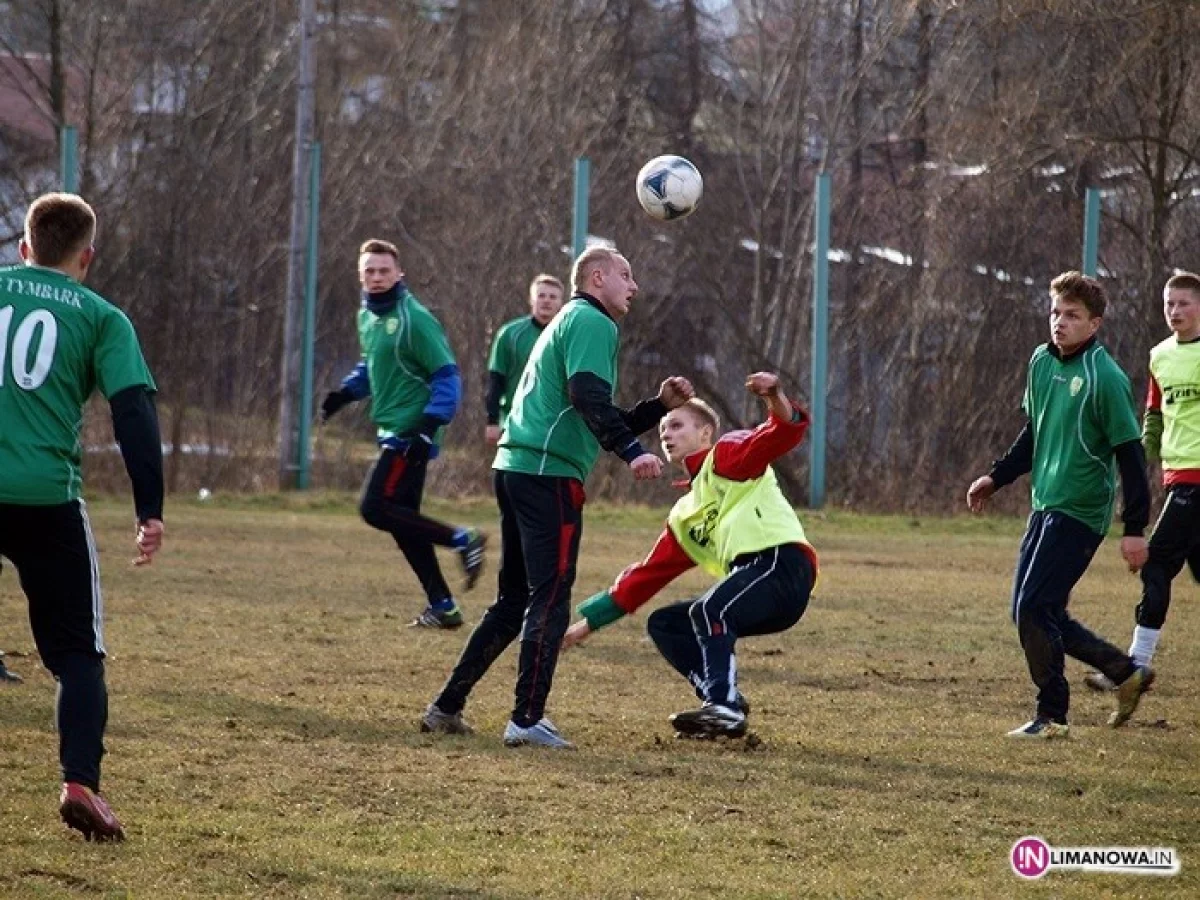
<point>692,462</point>
<point>49,270</point>
<point>580,295</point>
<point>1084,348</point>
<point>383,303</point>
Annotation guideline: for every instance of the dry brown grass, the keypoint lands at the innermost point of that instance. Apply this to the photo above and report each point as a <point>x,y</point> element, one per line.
<point>263,737</point>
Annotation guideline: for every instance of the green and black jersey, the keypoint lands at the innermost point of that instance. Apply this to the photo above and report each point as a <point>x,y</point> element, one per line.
<point>59,341</point>
<point>545,434</point>
<point>1080,409</point>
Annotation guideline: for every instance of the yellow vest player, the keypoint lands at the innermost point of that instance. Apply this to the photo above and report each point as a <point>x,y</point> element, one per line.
<point>736,524</point>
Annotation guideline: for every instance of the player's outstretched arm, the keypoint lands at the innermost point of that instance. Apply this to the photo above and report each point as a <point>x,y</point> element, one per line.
<point>635,586</point>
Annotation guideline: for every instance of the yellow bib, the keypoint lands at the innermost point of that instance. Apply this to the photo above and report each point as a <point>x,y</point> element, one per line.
<point>719,519</point>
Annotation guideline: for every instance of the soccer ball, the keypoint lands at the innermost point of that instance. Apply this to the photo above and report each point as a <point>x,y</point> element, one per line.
<point>669,187</point>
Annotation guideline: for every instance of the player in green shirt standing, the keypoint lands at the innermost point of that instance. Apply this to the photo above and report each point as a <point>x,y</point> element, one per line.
<point>1170,434</point>
<point>1081,418</point>
<point>511,348</point>
<point>562,416</point>
<point>59,342</point>
<point>411,376</point>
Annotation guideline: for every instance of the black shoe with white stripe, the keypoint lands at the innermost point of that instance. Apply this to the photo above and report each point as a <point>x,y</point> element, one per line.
<point>711,720</point>
<point>447,619</point>
<point>472,556</point>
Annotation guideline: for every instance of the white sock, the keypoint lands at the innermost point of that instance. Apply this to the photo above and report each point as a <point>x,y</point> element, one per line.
<point>1145,642</point>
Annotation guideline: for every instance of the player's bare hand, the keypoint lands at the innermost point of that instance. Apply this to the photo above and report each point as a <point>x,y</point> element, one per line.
<point>676,391</point>
<point>576,634</point>
<point>1135,551</point>
<point>979,492</point>
<point>763,384</point>
<point>646,467</point>
<point>149,541</point>
<point>491,434</point>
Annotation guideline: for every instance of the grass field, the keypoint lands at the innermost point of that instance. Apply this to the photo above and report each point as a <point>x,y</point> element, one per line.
<point>265,693</point>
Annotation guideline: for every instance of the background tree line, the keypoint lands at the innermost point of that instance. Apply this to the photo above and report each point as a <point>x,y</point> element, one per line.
<point>960,137</point>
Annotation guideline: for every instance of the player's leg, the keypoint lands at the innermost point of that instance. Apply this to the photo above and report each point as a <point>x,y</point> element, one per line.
<point>391,502</point>
<point>1055,553</point>
<point>1174,539</point>
<point>767,592</point>
<point>499,627</point>
<point>550,514</point>
<point>670,628</point>
<point>55,557</point>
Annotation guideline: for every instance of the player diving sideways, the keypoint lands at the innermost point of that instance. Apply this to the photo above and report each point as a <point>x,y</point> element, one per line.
<point>735,523</point>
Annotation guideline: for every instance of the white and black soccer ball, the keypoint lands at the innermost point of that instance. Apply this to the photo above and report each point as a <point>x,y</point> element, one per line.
<point>669,187</point>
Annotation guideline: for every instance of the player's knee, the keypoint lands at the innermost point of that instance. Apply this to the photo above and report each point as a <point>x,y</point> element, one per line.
<point>371,510</point>
<point>72,665</point>
<point>660,624</point>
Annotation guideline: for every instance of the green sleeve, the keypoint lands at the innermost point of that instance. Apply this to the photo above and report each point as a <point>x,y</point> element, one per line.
<point>1152,432</point>
<point>498,357</point>
<point>591,346</point>
<point>118,362</point>
<point>1117,412</point>
<point>600,610</point>
<point>430,346</point>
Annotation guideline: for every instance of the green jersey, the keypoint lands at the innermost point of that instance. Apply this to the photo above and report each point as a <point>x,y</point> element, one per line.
<point>59,341</point>
<point>545,434</point>
<point>401,349</point>
<point>1080,410</point>
<point>510,351</point>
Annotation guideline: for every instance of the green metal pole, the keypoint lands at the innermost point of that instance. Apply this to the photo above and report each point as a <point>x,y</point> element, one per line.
<point>820,344</point>
<point>1091,231</point>
<point>310,317</point>
<point>68,159</point>
<point>579,220</point>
